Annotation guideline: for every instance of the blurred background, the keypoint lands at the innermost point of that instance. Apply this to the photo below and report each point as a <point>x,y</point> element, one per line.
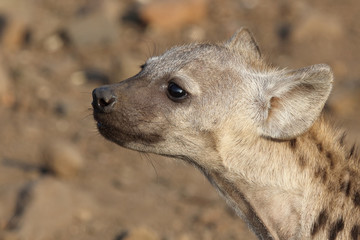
<point>59,179</point>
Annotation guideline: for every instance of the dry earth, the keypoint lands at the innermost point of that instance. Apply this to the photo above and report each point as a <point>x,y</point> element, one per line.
<point>60,180</point>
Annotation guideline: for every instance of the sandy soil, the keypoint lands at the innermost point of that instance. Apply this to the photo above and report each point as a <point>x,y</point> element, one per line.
<point>59,179</point>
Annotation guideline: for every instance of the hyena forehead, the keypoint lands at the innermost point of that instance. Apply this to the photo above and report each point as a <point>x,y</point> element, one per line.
<point>240,53</point>
<point>186,64</point>
<point>177,57</point>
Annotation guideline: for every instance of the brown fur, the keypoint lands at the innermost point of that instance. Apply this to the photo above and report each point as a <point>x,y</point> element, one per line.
<point>256,132</point>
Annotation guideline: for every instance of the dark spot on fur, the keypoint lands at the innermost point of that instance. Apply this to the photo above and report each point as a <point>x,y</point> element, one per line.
<point>345,187</point>
<point>302,161</point>
<point>332,188</point>
<point>356,199</point>
<point>319,223</point>
<point>319,147</point>
<point>293,144</point>
<point>336,227</point>
<point>342,139</point>
<point>324,176</point>
<point>352,150</point>
<point>321,173</point>
<point>348,188</point>
<point>355,230</point>
<point>342,186</point>
<point>317,172</point>
<point>331,160</point>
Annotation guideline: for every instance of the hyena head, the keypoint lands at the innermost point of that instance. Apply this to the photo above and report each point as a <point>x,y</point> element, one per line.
<point>184,102</point>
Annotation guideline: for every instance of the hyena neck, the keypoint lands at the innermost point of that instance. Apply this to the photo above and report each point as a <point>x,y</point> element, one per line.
<point>271,185</point>
<point>233,192</point>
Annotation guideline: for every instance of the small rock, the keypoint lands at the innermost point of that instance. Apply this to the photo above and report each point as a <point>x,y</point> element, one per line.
<point>172,14</point>
<point>15,35</point>
<point>63,159</point>
<point>84,214</point>
<point>78,78</point>
<point>53,43</point>
<point>142,233</point>
<point>57,41</point>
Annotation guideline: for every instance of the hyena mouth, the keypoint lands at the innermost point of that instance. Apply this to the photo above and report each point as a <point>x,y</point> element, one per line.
<point>122,134</point>
<point>106,129</point>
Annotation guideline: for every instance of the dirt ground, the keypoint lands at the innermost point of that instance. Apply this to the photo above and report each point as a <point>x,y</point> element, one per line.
<point>59,179</point>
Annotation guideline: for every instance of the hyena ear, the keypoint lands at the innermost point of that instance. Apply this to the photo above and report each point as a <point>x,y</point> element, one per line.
<point>289,104</point>
<point>244,43</point>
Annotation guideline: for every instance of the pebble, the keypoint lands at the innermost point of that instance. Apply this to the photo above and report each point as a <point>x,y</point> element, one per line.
<point>15,35</point>
<point>78,78</point>
<point>53,43</point>
<point>63,159</point>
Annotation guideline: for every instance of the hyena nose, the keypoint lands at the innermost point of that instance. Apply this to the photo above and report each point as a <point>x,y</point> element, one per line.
<point>103,99</point>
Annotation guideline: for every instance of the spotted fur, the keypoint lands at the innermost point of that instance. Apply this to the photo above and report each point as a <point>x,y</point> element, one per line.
<point>336,227</point>
<point>319,223</point>
<point>355,231</point>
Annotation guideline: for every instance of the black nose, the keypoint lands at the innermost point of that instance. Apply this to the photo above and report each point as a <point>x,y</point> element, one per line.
<point>104,99</point>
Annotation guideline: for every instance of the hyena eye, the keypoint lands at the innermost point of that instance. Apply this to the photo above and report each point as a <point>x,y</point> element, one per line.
<point>175,92</point>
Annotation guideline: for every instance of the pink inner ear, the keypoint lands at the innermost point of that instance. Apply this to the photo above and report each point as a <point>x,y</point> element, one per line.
<point>274,104</point>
